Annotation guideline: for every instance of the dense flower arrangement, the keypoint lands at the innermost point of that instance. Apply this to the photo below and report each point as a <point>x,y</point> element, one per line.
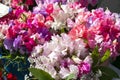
<point>61,39</point>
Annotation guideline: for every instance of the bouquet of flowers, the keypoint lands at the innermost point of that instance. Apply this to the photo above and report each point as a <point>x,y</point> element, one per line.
<point>61,39</point>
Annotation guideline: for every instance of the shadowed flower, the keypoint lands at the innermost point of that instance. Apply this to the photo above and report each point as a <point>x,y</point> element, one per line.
<point>8,43</point>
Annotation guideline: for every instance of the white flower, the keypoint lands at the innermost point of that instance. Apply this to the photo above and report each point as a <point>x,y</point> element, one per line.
<point>98,38</point>
<point>74,70</point>
<point>59,19</point>
<point>64,72</point>
<point>88,59</point>
<point>3,29</point>
<point>61,16</point>
<point>80,49</point>
<point>69,11</point>
<point>56,56</point>
<point>76,59</point>
<point>45,64</point>
<point>50,69</point>
<point>37,51</point>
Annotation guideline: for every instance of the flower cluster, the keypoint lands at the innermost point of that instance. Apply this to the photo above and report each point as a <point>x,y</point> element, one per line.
<point>99,28</point>
<point>71,53</point>
<point>24,33</point>
<point>61,38</point>
<point>62,56</point>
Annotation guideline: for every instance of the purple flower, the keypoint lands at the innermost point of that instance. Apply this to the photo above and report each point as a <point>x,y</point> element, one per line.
<point>17,42</point>
<point>40,10</point>
<point>47,1</point>
<point>44,33</point>
<point>43,12</point>
<point>8,43</point>
<point>64,1</point>
<point>50,1</point>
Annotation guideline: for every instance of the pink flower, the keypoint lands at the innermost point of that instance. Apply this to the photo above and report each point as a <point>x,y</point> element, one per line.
<point>49,18</point>
<point>49,8</point>
<point>15,3</point>
<point>78,32</point>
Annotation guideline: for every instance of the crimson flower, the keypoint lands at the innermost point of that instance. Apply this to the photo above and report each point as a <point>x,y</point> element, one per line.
<point>10,76</point>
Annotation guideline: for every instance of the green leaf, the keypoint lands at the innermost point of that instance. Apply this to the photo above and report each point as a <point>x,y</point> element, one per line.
<point>95,55</point>
<point>70,77</point>
<point>62,30</point>
<point>40,74</point>
<point>107,73</point>
<point>6,57</point>
<point>105,56</point>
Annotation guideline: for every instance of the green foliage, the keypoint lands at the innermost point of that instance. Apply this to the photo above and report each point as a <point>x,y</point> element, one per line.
<point>98,60</point>
<point>107,73</point>
<point>40,74</point>
<point>70,77</point>
<point>95,56</point>
<point>105,56</point>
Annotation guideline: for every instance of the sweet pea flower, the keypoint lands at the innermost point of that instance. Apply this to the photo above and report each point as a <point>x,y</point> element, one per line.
<point>8,44</point>
<point>97,27</point>
<point>17,42</point>
<point>26,32</point>
<point>84,68</point>
<point>54,53</point>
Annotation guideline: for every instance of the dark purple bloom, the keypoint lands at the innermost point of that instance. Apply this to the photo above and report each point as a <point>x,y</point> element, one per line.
<point>44,33</point>
<point>8,43</point>
<point>64,1</point>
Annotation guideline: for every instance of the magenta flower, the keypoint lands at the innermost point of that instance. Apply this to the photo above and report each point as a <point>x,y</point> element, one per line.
<point>18,11</point>
<point>49,8</point>
<point>29,43</point>
<point>84,68</point>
